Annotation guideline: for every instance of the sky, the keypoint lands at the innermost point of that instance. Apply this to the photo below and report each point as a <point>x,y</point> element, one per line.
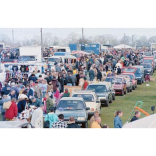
<point>28,33</point>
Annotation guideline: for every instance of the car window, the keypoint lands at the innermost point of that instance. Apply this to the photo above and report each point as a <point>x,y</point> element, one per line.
<point>97,88</point>
<point>86,97</point>
<point>117,81</point>
<point>128,69</point>
<point>147,61</point>
<point>70,105</point>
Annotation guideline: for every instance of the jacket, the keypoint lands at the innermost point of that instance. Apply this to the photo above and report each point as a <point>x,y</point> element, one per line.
<point>33,78</point>
<point>51,117</point>
<point>30,93</point>
<point>6,90</point>
<point>134,118</point>
<point>61,80</point>
<point>12,111</point>
<point>91,74</point>
<point>54,82</point>
<point>99,75</point>
<point>73,125</point>
<point>73,78</point>
<point>95,125</point>
<point>66,95</point>
<point>117,122</point>
<point>69,79</point>
<point>49,104</point>
<point>37,89</point>
<point>21,105</point>
<point>37,103</point>
<point>58,68</point>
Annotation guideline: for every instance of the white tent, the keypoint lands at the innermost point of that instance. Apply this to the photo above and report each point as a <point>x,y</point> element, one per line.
<point>146,122</point>
<point>123,46</point>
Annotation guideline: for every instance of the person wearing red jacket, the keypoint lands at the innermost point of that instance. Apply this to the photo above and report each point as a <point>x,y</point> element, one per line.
<point>12,111</point>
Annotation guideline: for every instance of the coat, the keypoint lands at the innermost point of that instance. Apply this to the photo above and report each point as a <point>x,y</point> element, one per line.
<point>51,117</point>
<point>38,90</point>
<point>61,80</point>
<point>99,75</point>
<point>66,95</point>
<point>49,104</point>
<point>21,105</point>
<point>37,103</point>
<point>54,82</point>
<point>12,111</point>
<point>73,125</point>
<point>91,74</point>
<point>117,122</point>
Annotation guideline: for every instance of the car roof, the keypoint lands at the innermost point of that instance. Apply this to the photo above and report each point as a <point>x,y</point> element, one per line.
<point>100,83</point>
<point>84,92</point>
<point>72,98</point>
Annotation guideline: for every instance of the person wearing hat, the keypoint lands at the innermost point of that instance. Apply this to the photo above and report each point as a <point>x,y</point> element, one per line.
<point>38,90</point>
<point>51,117</point>
<point>37,114</point>
<point>36,102</point>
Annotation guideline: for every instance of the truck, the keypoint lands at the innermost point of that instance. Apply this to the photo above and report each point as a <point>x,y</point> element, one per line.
<point>30,54</point>
<point>2,45</point>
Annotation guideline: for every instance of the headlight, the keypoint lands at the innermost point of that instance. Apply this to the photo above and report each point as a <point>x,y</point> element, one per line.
<point>81,118</point>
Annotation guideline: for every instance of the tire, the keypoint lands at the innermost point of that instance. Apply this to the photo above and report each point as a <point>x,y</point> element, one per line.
<point>107,103</point>
<point>113,96</point>
<point>85,125</point>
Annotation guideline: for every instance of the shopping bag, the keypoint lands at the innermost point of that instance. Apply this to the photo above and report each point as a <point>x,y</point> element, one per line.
<point>7,105</point>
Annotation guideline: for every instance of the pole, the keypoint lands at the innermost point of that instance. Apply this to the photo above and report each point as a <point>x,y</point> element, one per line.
<point>41,43</point>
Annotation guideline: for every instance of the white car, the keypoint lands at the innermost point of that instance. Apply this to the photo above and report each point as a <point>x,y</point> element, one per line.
<point>90,99</point>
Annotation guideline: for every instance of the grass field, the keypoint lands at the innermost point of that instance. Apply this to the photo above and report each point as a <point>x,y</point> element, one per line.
<point>126,103</point>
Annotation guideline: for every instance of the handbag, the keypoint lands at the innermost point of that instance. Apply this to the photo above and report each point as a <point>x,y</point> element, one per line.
<point>7,105</point>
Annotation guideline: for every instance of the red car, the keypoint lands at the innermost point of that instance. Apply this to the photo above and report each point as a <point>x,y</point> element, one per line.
<point>133,79</point>
<point>119,85</point>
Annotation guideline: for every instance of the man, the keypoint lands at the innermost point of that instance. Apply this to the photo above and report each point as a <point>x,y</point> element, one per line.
<point>6,98</point>
<point>6,89</point>
<point>66,93</point>
<point>13,94</point>
<point>60,123</point>
<point>36,102</point>
<point>92,119</point>
<point>72,123</point>
<point>57,68</point>
<point>38,73</point>
<point>49,103</point>
<point>69,79</point>
<point>37,114</point>
<point>43,87</point>
<point>136,116</point>
<point>38,90</point>
<point>91,74</point>
<point>96,123</point>
<point>14,87</point>
<point>74,79</point>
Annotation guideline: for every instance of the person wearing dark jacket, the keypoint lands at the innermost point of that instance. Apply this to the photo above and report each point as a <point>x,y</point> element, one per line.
<point>91,74</point>
<point>21,105</point>
<point>136,117</point>
<point>6,89</point>
<point>72,123</point>
<point>61,80</point>
<point>66,93</point>
<point>78,78</point>
<point>69,79</point>
<point>54,83</point>
<point>33,78</point>
<point>99,75</point>
<point>37,102</point>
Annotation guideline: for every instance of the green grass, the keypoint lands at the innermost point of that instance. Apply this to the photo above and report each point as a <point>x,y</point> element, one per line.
<point>126,103</point>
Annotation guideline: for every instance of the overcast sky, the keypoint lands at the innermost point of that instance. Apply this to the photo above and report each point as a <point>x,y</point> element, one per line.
<point>22,33</point>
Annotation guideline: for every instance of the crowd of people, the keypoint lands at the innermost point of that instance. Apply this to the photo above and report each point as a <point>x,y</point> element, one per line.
<point>45,89</point>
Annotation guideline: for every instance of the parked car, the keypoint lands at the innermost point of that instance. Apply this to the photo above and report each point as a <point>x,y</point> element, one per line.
<point>132,79</point>
<point>103,92</point>
<point>139,74</point>
<point>90,99</point>
<point>73,106</point>
<point>148,69</point>
<point>119,85</point>
<point>149,60</point>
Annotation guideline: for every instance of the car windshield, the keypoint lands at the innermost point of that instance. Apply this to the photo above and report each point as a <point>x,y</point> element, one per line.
<point>70,105</point>
<point>117,81</point>
<point>146,65</point>
<point>97,88</point>
<point>128,69</point>
<point>86,97</point>
<point>109,79</point>
<point>27,58</point>
<point>138,71</point>
<point>54,60</point>
<point>147,61</point>
<point>147,53</point>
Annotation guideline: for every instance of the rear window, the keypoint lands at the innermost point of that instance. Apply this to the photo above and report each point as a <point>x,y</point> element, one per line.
<point>117,81</point>
<point>97,88</point>
<point>86,97</point>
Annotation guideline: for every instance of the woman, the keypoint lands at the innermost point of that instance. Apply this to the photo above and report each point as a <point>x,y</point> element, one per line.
<point>117,119</point>
<point>50,89</point>
<point>57,95</point>
<point>12,111</point>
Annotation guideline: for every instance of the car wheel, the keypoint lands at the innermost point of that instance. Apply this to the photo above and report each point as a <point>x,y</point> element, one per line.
<point>107,103</point>
<point>113,96</point>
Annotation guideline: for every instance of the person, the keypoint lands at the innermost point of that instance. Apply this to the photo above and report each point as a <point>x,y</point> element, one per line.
<point>73,78</point>
<point>66,93</point>
<point>57,96</point>
<point>38,73</point>
<point>12,111</point>
<point>85,84</point>
<point>61,80</point>
<point>105,126</point>
<point>30,92</point>
<point>5,98</point>
<point>36,102</point>
<point>54,83</point>
<point>91,74</point>
<point>38,90</point>
<point>117,119</point>
<point>50,89</point>
<point>49,103</point>
<point>51,117</point>
<point>60,123</point>
<point>37,114</point>
<point>6,89</point>
<point>72,123</point>
<point>118,70</point>
<point>96,123</point>
<point>12,94</point>
<point>21,104</point>
<point>69,79</point>
<point>32,77</point>
<point>92,119</point>
<point>43,87</point>
<point>136,116</point>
